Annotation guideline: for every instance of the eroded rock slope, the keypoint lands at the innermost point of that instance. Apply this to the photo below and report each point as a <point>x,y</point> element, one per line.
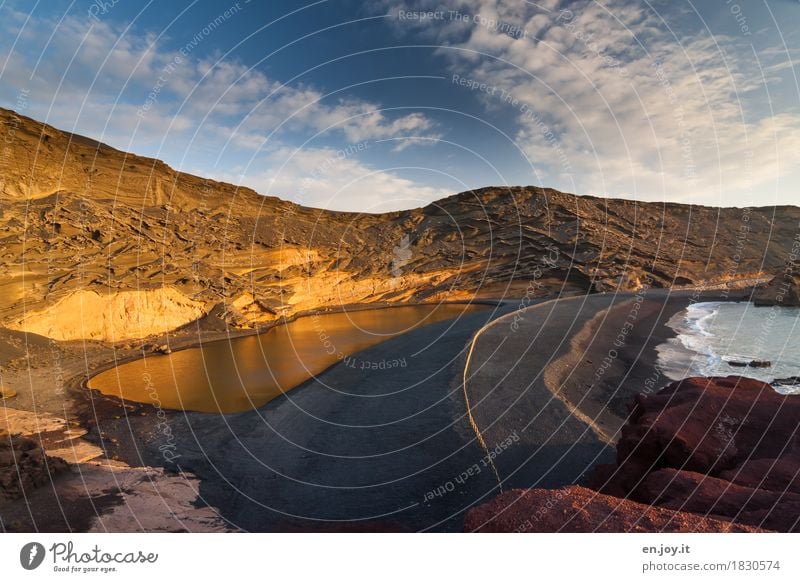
<point>87,230</point>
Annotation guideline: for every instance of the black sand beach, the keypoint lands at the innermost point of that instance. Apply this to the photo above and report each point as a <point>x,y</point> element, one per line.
<point>560,376</point>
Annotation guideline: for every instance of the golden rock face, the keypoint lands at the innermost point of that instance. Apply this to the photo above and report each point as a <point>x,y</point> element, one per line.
<point>128,247</point>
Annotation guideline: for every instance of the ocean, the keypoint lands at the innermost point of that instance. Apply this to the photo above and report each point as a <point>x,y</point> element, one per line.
<point>712,334</point>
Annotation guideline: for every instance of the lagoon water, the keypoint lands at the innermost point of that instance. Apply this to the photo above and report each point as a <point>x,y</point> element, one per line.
<point>247,372</point>
<point>711,334</point>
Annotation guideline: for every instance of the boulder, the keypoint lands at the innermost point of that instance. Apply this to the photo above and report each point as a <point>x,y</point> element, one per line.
<point>790,381</point>
<point>24,466</point>
<point>727,447</point>
<point>709,425</point>
<point>771,474</point>
<point>750,363</point>
<point>698,493</point>
<point>759,364</point>
<point>701,455</point>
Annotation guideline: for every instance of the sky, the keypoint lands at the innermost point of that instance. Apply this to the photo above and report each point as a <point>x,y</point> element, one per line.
<point>386,105</point>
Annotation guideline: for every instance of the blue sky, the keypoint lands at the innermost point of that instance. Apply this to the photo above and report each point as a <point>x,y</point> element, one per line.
<point>389,105</point>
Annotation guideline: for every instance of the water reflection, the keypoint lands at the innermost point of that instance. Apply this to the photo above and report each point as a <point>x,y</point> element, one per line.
<point>237,375</point>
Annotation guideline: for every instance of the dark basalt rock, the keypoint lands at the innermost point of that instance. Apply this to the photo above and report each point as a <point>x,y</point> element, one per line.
<point>751,364</point>
<point>790,381</point>
<point>24,466</point>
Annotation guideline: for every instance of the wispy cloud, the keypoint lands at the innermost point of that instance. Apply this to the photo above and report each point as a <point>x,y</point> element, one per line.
<point>330,178</point>
<point>609,99</point>
<point>127,88</point>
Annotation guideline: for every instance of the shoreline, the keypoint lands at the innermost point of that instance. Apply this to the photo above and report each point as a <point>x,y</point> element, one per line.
<point>349,450</point>
<point>93,409</point>
<point>615,356</point>
<point>710,352</point>
<point>540,381</point>
<point>116,433</point>
<point>238,375</point>
<point>179,343</point>
<point>611,359</point>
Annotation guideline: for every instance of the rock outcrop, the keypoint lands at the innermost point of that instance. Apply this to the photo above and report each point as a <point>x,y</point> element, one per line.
<point>95,493</point>
<point>24,466</point>
<point>577,509</point>
<point>112,317</point>
<point>784,289</point>
<point>727,447</point>
<point>772,509</point>
<point>711,452</point>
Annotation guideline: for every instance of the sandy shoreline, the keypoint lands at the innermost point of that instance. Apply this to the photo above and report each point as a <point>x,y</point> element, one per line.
<point>612,358</point>
<point>553,375</point>
<point>615,356</point>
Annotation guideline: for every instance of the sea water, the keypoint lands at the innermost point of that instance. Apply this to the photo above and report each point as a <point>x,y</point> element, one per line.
<point>712,334</point>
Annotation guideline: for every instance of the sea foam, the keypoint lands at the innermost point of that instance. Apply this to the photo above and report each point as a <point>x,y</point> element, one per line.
<point>710,335</point>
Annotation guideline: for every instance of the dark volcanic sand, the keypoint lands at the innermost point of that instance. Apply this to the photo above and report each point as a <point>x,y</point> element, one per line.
<point>614,356</point>
<point>539,383</point>
<point>352,450</point>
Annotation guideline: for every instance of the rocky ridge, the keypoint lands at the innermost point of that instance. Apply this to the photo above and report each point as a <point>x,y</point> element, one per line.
<point>110,232</point>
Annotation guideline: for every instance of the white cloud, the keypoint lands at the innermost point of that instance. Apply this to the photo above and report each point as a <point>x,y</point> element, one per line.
<point>623,105</point>
<point>594,112</point>
<point>328,178</point>
<point>127,89</point>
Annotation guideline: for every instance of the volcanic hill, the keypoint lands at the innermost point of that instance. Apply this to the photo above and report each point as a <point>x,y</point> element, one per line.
<point>102,244</point>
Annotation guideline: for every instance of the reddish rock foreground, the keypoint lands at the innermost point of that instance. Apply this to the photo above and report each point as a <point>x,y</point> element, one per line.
<point>715,453</point>
<point>578,509</point>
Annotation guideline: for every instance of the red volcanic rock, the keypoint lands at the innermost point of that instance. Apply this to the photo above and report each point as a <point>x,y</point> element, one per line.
<point>703,454</point>
<point>707,425</point>
<point>771,474</point>
<point>577,509</point>
<point>697,493</point>
<point>721,446</point>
